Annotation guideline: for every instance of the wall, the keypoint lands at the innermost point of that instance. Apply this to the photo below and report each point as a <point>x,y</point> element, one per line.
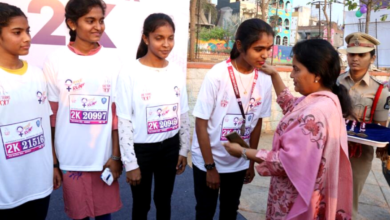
<point>197,71</point>
<point>381,31</point>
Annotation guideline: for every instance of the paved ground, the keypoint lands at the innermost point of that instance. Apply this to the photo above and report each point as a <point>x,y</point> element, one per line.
<point>374,204</point>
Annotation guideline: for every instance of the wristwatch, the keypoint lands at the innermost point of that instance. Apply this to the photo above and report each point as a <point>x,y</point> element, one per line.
<point>209,166</point>
<point>243,155</point>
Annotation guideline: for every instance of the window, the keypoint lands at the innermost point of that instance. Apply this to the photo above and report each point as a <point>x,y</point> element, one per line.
<point>281,4</point>
<point>277,40</point>
<point>285,41</point>
<point>288,6</point>
<point>286,24</point>
<point>274,4</point>
<point>280,22</point>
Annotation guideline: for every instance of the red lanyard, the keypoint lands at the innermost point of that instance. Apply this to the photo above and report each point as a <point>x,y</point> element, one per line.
<point>237,92</point>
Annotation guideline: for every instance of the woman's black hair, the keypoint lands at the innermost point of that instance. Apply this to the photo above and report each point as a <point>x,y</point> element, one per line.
<point>7,12</point>
<point>321,59</point>
<point>372,52</point>
<point>151,23</point>
<point>76,9</point>
<point>249,32</point>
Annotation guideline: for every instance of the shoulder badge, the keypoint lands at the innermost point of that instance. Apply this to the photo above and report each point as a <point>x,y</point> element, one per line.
<point>387,103</point>
<point>376,80</point>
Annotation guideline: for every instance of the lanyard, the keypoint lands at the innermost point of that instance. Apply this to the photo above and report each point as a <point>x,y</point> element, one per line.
<point>237,92</point>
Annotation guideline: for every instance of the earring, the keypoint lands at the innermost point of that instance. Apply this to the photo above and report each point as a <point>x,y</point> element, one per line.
<point>316,81</point>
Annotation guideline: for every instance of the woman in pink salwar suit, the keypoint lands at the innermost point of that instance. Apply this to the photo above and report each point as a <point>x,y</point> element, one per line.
<point>311,177</point>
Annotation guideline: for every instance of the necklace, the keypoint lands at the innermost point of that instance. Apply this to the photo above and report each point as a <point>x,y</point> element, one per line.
<point>239,75</point>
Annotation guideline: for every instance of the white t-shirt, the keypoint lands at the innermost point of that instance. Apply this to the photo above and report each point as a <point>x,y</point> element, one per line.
<point>153,99</point>
<point>217,103</point>
<point>84,88</point>
<point>26,160</point>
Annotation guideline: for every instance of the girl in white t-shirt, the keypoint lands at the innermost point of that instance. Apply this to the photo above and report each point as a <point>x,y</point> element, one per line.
<point>234,97</point>
<point>152,107</point>
<point>81,84</point>
<point>26,161</point>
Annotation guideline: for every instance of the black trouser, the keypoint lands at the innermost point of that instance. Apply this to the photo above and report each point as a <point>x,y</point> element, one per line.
<point>158,160</point>
<point>34,210</point>
<point>229,198</point>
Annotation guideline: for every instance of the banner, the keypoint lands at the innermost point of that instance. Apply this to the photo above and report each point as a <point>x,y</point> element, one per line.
<point>123,21</point>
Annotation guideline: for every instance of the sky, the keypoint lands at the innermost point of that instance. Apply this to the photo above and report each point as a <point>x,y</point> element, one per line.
<point>337,9</point>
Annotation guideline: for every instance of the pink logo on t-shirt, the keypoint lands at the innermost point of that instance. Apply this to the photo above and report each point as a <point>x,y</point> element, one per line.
<point>146,96</point>
<point>254,102</point>
<point>106,85</point>
<point>74,85</point>
<point>23,130</point>
<point>88,102</point>
<point>4,97</point>
<point>177,91</point>
<point>224,101</point>
<point>41,97</point>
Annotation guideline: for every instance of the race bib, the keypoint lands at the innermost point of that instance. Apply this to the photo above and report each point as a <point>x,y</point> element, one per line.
<point>233,122</point>
<point>162,118</point>
<point>22,138</point>
<point>88,109</point>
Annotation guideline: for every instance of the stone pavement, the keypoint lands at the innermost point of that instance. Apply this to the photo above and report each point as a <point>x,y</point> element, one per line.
<point>374,203</point>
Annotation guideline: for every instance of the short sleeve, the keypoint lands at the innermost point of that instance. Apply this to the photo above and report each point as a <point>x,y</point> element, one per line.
<point>207,97</point>
<point>50,73</point>
<point>267,100</point>
<point>124,95</point>
<point>382,108</point>
<point>114,80</point>
<point>184,99</point>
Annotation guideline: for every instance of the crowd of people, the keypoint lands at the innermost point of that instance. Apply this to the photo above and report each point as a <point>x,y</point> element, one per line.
<point>87,111</point>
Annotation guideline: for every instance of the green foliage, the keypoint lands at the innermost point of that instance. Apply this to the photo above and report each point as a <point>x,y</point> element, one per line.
<point>213,33</point>
<point>376,6</point>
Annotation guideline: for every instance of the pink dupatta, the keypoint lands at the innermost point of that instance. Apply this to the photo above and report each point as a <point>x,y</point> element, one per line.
<point>309,164</point>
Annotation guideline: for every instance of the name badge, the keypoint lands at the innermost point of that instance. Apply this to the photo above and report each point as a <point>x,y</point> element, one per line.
<point>88,109</point>
<point>162,118</point>
<point>22,138</point>
<point>233,122</point>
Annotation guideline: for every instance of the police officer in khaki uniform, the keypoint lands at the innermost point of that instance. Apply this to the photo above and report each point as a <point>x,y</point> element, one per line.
<point>363,89</point>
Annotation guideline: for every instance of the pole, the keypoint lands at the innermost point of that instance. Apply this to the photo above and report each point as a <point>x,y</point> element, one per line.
<point>319,19</point>
<point>276,23</point>
<point>330,23</point>
<point>197,32</point>
<point>376,36</point>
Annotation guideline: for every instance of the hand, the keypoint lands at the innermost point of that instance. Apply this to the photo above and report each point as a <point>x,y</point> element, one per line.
<point>212,179</point>
<point>181,165</point>
<point>250,174</point>
<point>268,69</point>
<point>115,167</point>
<point>57,178</point>
<point>133,177</point>
<point>233,149</point>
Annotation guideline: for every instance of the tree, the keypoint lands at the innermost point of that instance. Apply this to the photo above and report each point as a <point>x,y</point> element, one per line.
<point>193,22</point>
<point>324,8</point>
<point>213,33</point>
<point>209,9</point>
<point>194,15</point>
<point>375,5</point>
<point>329,25</point>
<point>263,5</point>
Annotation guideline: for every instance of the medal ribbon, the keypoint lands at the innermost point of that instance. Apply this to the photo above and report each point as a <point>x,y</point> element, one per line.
<point>237,91</point>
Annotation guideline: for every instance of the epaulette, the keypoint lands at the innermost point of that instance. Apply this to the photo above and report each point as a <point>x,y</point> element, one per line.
<point>377,80</point>
<point>343,73</point>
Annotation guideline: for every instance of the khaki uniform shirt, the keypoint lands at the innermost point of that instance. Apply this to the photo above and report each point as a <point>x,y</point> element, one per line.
<point>362,94</point>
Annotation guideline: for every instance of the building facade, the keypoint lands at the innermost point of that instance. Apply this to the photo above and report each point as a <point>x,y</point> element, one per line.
<point>280,18</point>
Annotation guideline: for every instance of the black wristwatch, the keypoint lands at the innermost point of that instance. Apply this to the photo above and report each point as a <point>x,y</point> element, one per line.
<point>209,166</point>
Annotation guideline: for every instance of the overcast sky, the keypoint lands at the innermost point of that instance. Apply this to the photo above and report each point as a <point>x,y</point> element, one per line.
<point>337,9</point>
